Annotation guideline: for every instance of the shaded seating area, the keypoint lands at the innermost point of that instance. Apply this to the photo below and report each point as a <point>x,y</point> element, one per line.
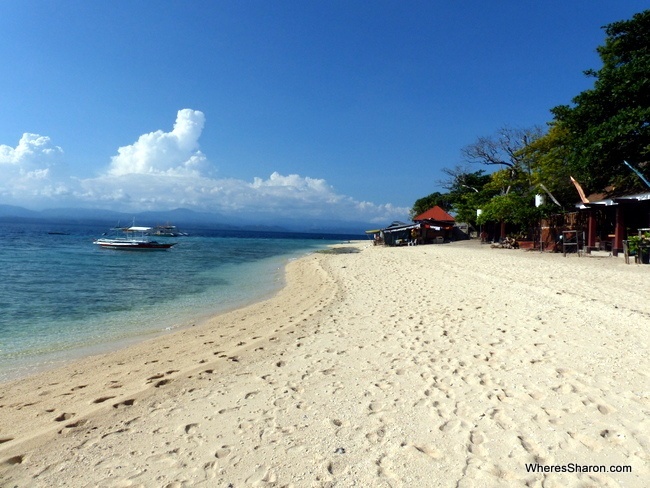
<point>614,219</point>
<point>399,234</point>
<point>436,226</point>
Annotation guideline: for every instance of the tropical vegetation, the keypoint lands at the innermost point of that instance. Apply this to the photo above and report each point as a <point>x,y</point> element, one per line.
<point>597,139</point>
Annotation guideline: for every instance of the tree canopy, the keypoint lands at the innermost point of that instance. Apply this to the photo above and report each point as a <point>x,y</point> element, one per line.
<point>589,139</point>
<point>610,123</point>
<point>423,204</point>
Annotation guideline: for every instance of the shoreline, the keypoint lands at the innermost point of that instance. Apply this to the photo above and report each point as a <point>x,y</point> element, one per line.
<point>142,360</point>
<point>447,365</point>
<point>171,324</point>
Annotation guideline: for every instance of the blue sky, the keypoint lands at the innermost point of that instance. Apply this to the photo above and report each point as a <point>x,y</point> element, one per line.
<point>339,109</point>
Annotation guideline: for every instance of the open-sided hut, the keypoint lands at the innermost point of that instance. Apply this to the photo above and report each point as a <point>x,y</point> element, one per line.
<point>611,220</point>
<point>399,233</point>
<point>435,224</point>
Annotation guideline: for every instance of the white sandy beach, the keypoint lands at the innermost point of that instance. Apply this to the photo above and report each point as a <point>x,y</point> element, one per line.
<point>444,365</point>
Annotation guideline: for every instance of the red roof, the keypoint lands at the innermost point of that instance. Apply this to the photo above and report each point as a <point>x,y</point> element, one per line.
<point>435,213</point>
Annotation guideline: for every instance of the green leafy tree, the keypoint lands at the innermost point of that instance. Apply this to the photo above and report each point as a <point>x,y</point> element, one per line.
<point>550,171</point>
<point>461,181</point>
<point>467,192</point>
<point>515,209</point>
<point>423,204</point>
<point>610,123</point>
<point>508,195</point>
<point>516,206</point>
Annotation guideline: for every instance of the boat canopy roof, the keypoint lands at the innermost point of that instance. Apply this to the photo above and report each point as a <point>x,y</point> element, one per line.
<point>138,229</point>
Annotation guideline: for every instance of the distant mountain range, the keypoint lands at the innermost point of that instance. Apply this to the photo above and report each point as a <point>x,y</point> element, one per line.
<point>182,217</point>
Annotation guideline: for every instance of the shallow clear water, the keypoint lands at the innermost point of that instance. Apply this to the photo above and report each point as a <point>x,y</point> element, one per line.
<point>63,297</point>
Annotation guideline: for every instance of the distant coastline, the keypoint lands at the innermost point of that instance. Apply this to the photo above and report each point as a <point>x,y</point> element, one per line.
<point>183,217</point>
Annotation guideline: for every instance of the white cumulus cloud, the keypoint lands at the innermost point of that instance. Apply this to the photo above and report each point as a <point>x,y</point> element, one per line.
<point>31,171</point>
<point>172,153</point>
<point>166,170</point>
<point>33,153</point>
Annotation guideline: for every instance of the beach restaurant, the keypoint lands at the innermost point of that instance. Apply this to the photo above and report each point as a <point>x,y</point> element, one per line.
<point>431,227</point>
<point>437,225</point>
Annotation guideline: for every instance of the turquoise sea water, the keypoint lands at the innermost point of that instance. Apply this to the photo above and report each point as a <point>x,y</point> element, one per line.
<point>62,297</point>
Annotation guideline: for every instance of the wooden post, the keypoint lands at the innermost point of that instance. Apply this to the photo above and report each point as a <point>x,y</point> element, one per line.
<point>591,229</point>
<point>619,231</point>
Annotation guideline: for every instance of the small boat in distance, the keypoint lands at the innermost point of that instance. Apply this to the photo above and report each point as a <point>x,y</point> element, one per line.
<point>166,231</point>
<point>136,239</point>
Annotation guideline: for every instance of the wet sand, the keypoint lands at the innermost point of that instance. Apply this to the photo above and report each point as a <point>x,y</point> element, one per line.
<point>444,365</point>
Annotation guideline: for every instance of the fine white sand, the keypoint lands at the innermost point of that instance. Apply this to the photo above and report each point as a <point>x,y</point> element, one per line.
<point>445,365</point>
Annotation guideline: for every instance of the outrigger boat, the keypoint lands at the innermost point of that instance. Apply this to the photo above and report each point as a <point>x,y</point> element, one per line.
<point>135,240</point>
<point>166,230</point>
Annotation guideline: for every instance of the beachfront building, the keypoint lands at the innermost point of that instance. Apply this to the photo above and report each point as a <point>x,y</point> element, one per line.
<point>400,234</point>
<point>602,221</point>
<point>610,220</point>
<point>436,225</point>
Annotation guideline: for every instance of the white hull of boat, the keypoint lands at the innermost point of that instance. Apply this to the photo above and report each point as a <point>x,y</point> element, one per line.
<point>132,245</point>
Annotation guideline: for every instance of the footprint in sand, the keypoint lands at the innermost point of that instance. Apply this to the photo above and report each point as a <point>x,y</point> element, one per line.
<point>102,399</point>
<point>384,385</point>
<point>531,447</point>
<point>375,407</point>
<point>377,436</point>
<point>15,460</point>
<point>586,441</point>
<point>223,452</point>
<point>78,423</point>
<point>502,420</point>
<point>125,403</point>
<point>430,451</point>
<point>383,468</point>
<point>606,409</point>
<point>263,474</point>
<point>477,438</point>
<point>64,416</point>
<point>613,436</point>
